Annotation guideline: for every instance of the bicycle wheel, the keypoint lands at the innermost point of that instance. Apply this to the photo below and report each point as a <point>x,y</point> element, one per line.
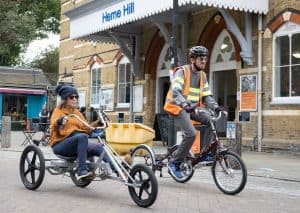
<point>146,193</point>
<point>229,173</point>
<point>32,167</point>
<point>142,154</point>
<point>84,182</point>
<point>80,183</point>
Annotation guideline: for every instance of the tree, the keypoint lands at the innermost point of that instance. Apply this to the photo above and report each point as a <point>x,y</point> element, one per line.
<point>48,62</point>
<point>22,21</point>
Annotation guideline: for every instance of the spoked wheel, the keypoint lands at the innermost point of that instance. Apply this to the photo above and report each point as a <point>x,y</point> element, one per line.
<point>186,168</point>
<point>229,173</point>
<point>142,155</point>
<point>145,194</point>
<point>32,167</point>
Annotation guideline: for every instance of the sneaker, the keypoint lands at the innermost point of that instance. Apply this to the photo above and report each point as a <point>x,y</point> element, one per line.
<point>174,169</point>
<point>84,174</point>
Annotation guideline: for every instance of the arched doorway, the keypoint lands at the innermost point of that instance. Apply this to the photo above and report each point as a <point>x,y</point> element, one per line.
<point>162,78</point>
<point>223,73</point>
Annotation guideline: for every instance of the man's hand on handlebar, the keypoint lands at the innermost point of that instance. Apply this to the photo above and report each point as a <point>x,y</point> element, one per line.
<point>221,109</point>
<point>188,108</point>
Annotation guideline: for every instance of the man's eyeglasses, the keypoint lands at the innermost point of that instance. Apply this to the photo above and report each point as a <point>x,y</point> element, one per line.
<point>74,96</point>
<point>203,58</point>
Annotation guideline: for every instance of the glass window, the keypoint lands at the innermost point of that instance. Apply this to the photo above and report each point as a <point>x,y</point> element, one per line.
<point>124,82</point>
<point>287,65</point>
<point>96,84</point>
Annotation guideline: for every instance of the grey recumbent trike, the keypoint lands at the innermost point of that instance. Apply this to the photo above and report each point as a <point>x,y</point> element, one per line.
<point>140,179</point>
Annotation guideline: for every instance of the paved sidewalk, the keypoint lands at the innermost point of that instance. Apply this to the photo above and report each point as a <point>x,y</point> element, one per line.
<point>283,166</point>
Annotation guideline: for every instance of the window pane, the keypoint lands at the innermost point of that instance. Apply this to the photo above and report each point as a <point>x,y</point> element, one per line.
<point>121,73</point>
<point>128,72</point>
<point>127,93</point>
<point>296,81</point>
<point>296,48</point>
<point>282,51</point>
<point>96,77</point>
<point>122,93</point>
<point>282,82</point>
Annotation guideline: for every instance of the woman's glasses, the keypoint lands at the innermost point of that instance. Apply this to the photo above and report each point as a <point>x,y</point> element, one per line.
<point>74,96</point>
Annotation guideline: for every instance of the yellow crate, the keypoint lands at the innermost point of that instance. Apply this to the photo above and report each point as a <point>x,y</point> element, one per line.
<point>125,136</point>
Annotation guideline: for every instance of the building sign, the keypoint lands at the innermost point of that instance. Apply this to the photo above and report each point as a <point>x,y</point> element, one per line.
<point>107,98</point>
<point>125,10</point>
<point>138,98</point>
<point>248,93</point>
<point>230,130</point>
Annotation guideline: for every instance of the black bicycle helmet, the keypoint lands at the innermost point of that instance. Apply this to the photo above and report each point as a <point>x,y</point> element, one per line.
<point>198,51</point>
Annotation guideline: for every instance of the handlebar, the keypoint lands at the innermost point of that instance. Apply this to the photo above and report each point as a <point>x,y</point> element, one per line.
<point>103,117</point>
<point>213,115</point>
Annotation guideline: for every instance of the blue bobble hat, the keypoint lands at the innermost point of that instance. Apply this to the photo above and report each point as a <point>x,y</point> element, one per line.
<point>64,91</point>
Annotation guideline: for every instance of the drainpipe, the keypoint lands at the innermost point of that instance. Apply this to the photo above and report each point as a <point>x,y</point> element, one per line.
<point>171,131</point>
<point>259,84</point>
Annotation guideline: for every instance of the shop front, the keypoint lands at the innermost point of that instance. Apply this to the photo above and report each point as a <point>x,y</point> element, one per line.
<point>22,95</point>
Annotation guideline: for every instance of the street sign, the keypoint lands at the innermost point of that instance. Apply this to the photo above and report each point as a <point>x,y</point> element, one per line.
<point>230,130</point>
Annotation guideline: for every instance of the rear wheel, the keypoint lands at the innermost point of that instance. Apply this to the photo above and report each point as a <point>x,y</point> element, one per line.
<point>80,183</point>
<point>145,194</point>
<point>229,173</point>
<point>32,167</point>
<point>84,182</point>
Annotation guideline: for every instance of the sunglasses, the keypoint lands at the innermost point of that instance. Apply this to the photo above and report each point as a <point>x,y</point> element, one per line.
<point>73,96</point>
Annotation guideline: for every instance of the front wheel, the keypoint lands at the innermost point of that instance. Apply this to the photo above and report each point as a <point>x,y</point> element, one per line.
<point>229,173</point>
<point>143,154</point>
<point>145,193</point>
<point>32,167</point>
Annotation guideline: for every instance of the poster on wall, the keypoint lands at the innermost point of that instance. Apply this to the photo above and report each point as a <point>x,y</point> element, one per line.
<point>81,94</point>
<point>138,98</point>
<point>107,98</point>
<point>248,93</point>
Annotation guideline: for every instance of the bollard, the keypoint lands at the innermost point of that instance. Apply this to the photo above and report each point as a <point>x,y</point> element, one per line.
<point>5,135</point>
<point>239,138</point>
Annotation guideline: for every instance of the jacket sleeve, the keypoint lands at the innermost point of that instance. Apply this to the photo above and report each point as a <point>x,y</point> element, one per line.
<point>57,113</point>
<point>210,102</point>
<point>177,87</point>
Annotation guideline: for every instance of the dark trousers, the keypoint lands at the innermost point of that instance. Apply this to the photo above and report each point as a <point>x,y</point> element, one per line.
<point>78,145</point>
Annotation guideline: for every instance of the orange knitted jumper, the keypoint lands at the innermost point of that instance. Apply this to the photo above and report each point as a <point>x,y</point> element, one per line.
<point>58,134</point>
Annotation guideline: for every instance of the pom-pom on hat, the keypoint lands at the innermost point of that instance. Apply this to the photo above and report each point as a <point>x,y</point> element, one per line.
<point>64,91</point>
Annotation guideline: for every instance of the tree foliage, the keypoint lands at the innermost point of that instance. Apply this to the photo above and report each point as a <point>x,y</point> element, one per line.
<point>48,62</point>
<point>22,21</point>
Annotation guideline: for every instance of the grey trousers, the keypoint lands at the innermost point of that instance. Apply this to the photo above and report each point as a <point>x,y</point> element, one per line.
<point>183,121</point>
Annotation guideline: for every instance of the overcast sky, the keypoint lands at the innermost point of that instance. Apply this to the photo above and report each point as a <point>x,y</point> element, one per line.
<point>37,46</point>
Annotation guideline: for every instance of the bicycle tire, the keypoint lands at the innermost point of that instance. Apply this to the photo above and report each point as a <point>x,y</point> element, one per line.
<point>32,165</point>
<point>235,169</point>
<point>142,154</point>
<point>145,195</point>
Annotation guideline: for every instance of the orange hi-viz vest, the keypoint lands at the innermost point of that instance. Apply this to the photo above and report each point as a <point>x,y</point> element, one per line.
<point>170,105</point>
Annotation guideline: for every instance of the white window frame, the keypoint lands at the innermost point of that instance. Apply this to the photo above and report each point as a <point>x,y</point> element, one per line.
<point>125,61</point>
<point>287,29</point>
<point>95,67</point>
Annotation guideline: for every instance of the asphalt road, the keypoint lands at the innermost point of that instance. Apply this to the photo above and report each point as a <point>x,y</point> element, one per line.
<point>200,194</point>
